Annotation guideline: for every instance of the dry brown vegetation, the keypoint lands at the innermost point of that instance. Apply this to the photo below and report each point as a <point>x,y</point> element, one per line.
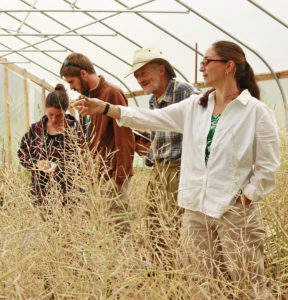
<point>77,252</point>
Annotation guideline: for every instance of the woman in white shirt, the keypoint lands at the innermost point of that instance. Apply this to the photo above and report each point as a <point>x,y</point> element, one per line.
<point>230,155</point>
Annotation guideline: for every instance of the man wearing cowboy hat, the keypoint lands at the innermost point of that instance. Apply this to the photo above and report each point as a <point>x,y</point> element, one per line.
<point>156,76</point>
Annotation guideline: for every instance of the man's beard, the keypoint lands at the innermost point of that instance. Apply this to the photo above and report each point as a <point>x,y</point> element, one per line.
<point>84,87</point>
<point>153,86</point>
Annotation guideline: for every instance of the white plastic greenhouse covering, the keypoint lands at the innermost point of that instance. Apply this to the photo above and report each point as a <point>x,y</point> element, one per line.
<point>37,35</point>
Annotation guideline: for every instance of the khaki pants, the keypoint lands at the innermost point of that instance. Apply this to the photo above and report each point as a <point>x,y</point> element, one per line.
<point>230,246</point>
<point>164,181</point>
<point>164,215</point>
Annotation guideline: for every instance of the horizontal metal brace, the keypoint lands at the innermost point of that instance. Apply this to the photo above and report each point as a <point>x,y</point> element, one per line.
<point>55,34</point>
<point>33,50</point>
<point>94,11</point>
<point>14,62</point>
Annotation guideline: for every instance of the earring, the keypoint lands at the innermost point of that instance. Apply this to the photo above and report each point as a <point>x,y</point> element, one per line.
<point>226,73</point>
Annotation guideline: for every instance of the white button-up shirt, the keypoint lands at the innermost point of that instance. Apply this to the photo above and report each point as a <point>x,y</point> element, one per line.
<point>244,154</point>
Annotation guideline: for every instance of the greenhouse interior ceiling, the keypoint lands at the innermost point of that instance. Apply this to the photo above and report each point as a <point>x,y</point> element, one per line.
<point>39,34</point>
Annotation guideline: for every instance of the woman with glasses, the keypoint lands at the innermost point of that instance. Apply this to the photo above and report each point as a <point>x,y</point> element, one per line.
<point>49,149</point>
<point>229,161</point>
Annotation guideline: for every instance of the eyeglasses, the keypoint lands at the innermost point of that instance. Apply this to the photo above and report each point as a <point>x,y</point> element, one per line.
<point>67,63</point>
<point>206,61</point>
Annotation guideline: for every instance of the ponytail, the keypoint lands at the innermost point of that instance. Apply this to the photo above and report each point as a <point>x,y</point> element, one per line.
<point>245,78</point>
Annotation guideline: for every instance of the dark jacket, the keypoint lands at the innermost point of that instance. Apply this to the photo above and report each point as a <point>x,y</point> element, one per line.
<point>37,144</point>
<point>115,144</point>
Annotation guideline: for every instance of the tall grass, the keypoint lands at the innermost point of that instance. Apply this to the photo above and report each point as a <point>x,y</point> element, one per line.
<point>78,252</point>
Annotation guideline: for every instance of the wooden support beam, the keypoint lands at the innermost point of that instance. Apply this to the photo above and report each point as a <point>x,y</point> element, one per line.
<point>26,99</point>
<point>43,100</point>
<point>8,121</point>
<point>269,76</point>
<point>135,93</point>
<point>26,74</point>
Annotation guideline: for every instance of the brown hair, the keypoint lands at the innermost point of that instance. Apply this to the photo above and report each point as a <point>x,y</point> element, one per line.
<point>74,63</point>
<point>244,74</point>
<point>58,98</point>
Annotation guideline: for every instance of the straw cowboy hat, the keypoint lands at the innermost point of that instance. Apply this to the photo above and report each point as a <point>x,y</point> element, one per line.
<point>144,56</point>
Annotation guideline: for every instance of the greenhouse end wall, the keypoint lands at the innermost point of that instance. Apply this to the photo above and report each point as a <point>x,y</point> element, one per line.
<point>21,103</point>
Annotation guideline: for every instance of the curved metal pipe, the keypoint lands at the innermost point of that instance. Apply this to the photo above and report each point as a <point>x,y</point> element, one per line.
<point>62,45</point>
<point>249,48</point>
<point>165,31</point>
<point>127,38</point>
<point>41,66</point>
<point>268,13</point>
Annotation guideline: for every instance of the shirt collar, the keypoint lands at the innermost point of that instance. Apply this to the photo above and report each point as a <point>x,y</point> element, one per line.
<point>168,94</point>
<point>242,98</point>
<point>98,87</point>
